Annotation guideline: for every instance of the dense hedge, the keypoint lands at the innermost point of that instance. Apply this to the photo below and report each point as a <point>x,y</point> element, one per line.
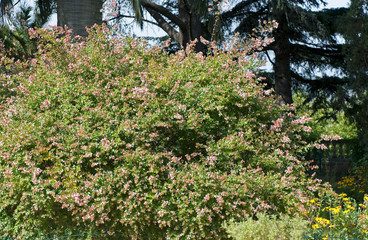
<point>112,136</point>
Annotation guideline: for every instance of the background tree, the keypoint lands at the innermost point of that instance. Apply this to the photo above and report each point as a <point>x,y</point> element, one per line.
<point>183,20</point>
<point>355,28</point>
<point>304,41</point>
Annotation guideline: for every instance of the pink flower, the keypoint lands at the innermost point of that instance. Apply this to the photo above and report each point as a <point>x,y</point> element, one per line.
<point>178,116</point>
<point>45,104</point>
<point>285,139</point>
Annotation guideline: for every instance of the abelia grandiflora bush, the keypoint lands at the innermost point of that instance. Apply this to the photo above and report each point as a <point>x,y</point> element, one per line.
<point>110,136</point>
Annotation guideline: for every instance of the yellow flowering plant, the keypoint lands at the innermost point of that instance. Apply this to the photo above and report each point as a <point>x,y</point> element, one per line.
<point>355,184</point>
<point>333,215</point>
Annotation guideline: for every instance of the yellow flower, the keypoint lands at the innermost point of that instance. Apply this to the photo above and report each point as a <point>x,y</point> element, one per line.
<point>365,231</point>
<point>349,207</point>
<point>346,211</point>
<point>345,199</point>
<point>362,205</point>
<point>315,226</point>
<point>305,213</point>
<point>325,238</point>
<point>331,226</point>
<point>342,195</point>
<point>335,210</point>
<point>323,221</point>
<point>326,209</point>
<point>365,198</point>
<point>314,200</point>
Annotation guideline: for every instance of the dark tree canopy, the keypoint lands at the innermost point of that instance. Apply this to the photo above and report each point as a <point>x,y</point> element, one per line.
<point>304,41</point>
<point>355,29</point>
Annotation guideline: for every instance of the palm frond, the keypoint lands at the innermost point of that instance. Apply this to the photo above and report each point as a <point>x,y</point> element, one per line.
<point>3,5</point>
<point>138,13</point>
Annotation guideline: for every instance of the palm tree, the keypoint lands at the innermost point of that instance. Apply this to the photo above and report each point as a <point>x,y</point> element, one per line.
<point>4,5</point>
<point>15,39</point>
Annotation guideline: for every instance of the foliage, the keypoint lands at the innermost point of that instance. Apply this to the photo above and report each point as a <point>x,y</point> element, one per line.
<point>325,121</point>
<point>355,183</point>
<point>42,11</point>
<point>268,227</point>
<point>355,31</point>
<point>338,216</point>
<point>110,136</point>
<point>15,40</point>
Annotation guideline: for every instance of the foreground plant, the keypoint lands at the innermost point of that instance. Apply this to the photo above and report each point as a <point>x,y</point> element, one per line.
<point>338,216</point>
<point>355,183</point>
<point>109,136</point>
<point>268,227</point>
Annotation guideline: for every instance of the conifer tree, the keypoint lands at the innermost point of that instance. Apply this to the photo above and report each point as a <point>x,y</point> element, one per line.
<point>355,28</point>
<point>304,41</point>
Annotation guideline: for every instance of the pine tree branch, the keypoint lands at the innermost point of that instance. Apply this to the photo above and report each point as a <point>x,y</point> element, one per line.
<point>239,8</point>
<point>127,16</point>
<point>327,50</point>
<point>326,82</point>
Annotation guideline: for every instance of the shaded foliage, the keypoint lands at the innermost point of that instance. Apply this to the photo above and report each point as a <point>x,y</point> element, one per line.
<point>15,38</point>
<point>355,30</point>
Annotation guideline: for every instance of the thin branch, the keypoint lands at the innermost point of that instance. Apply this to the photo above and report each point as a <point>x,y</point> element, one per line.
<point>269,59</point>
<point>13,5</point>
<point>16,3</point>
<point>126,16</point>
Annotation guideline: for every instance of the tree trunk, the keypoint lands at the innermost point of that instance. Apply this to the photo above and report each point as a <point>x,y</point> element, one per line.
<point>188,22</point>
<point>282,62</point>
<point>193,26</point>
<point>79,14</point>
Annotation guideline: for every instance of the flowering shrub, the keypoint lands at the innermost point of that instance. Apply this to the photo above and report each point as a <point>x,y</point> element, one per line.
<point>339,216</point>
<point>111,136</point>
